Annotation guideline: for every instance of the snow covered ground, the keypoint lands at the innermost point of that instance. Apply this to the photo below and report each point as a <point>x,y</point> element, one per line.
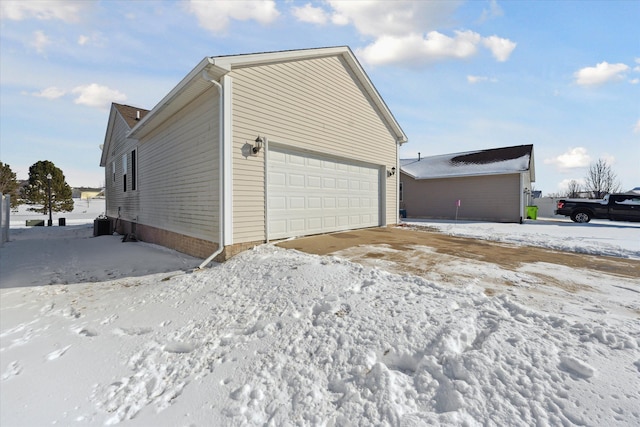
<point>278,337</point>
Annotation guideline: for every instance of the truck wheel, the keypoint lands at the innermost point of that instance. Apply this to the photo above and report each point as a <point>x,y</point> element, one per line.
<point>581,216</point>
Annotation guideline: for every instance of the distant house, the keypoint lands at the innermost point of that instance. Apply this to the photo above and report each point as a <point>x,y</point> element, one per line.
<point>489,185</point>
<point>251,148</point>
<point>86,193</point>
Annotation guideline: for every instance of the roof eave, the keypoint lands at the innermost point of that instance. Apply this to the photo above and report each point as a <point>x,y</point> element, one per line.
<point>239,61</point>
<point>180,95</point>
<point>219,66</point>
<point>107,137</point>
<point>468,175</point>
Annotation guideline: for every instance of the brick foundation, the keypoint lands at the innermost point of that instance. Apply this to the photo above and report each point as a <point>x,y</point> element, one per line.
<point>193,246</point>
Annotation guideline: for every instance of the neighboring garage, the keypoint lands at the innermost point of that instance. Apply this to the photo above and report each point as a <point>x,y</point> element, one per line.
<point>486,185</point>
<point>310,194</point>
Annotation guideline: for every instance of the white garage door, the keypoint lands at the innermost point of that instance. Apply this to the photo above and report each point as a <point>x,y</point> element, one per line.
<point>311,194</point>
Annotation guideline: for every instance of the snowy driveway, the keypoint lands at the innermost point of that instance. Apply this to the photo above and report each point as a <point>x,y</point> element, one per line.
<point>497,259</point>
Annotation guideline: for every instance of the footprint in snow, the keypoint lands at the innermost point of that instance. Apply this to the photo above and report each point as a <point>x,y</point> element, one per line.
<point>576,367</point>
<point>56,354</point>
<point>13,369</point>
<point>86,332</point>
<point>179,347</point>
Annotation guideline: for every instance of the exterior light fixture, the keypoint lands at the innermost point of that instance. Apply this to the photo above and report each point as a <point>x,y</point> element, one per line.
<point>391,172</point>
<point>50,223</point>
<point>258,145</point>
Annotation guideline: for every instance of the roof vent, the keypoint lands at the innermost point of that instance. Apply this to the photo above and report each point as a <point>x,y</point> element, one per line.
<point>418,156</point>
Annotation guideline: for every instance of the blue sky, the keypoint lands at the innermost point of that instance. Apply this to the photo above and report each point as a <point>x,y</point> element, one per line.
<point>458,76</point>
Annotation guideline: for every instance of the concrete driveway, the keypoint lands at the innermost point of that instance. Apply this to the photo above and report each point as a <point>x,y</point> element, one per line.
<point>460,261</point>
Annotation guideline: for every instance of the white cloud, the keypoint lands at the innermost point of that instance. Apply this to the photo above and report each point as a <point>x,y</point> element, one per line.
<point>405,31</point>
<point>95,39</point>
<point>339,19</point>
<point>500,48</point>
<point>50,93</point>
<point>414,48</point>
<point>40,41</point>
<point>601,73</point>
<point>18,10</point>
<point>394,18</point>
<point>494,11</point>
<point>215,16</point>
<point>95,95</point>
<point>308,13</point>
<point>479,79</point>
<point>636,128</point>
<point>574,158</point>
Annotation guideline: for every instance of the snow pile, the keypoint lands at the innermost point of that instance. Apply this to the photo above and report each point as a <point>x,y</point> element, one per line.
<point>599,237</point>
<point>279,337</point>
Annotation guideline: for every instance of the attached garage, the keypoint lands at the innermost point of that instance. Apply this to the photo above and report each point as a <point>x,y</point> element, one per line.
<point>252,148</point>
<point>309,193</point>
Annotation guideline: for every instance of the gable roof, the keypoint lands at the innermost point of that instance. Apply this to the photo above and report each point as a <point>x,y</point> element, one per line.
<point>131,116</point>
<point>494,161</point>
<point>216,67</point>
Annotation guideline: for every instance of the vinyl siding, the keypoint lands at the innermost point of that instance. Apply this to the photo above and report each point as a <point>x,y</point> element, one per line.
<point>178,172</point>
<point>115,195</point>
<point>489,198</point>
<point>316,105</point>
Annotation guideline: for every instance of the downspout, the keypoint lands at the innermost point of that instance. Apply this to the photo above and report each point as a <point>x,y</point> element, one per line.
<point>266,189</point>
<point>220,172</point>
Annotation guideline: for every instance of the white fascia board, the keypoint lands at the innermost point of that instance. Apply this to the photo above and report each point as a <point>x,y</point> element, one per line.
<point>176,93</point>
<point>106,145</point>
<point>401,137</point>
<point>407,174</point>
<point>239,61</point>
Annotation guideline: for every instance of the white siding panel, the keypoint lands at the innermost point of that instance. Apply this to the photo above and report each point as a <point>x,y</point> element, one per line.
<point>178,171</point>
<point>116,197</point>
<point>315,105</point>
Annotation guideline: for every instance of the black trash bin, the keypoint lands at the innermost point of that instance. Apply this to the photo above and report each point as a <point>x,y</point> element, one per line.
<point>102,227</point>
<point>62,222</point>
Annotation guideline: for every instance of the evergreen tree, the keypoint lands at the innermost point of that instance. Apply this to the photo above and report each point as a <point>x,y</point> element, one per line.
<point>9,184</point>
<point>36,191</point>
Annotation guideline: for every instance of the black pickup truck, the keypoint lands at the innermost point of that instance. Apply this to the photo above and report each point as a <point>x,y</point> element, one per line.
<point>616,207</point>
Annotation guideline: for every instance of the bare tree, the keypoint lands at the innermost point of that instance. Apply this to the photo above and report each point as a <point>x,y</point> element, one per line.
<point>573,189</point>
<point>601,179</point>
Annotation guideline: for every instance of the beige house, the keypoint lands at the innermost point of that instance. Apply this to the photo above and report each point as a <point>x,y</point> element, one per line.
<point>486,185</point>
<point>252,148</point>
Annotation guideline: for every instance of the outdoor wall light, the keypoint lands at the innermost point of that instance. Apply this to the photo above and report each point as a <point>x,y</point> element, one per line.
<point>259,144</point>
<point>392,171</point>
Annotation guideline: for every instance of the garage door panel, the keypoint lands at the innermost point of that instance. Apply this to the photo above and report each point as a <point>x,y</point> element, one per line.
<point>296,180</point>
<point>310,194</point>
